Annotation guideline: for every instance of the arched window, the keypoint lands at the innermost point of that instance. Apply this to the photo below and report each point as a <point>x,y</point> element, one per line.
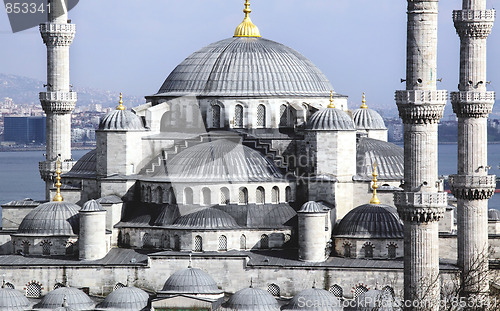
<point>389,290</point>
<point>206,195</point>
<point>336,290</point>
<point>166,241</point>
<point>119,285</point>
<point>238,116</point>
<point>306,112</point>
<point>159,194</point>
<point>360,289</point>
<point>188,195</point>
<point>216,116</point>
<point>45,247</point>
<point>391,250</point>
<point>224,196</point>
<point>149,196</point>
<point>222,243</point>
<point>261,116</point>
<point>264,241</point>
<point>58,285</point>
<point>368,248</point>
<point>33,290</point>
<point>146,240</point>
<point>243,242</point>
<point>26,247</point>
<point>347,250</point>
<point>9,285</point>
<point>126,240</point>
<point>177,243</point>
<point>198,244</point>
<point>243,196</point>
<point>171,196</point>
<point>288,194</point>
<point>274,290</point>
<point>275,195</point>
<point>260,196</point>
<point>285,116</point>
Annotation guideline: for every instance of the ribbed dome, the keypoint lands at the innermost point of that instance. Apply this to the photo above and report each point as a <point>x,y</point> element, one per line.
<point>84,167</point>
<point>219,161</point>
<point>252,299</point>
<point>370,221</point>
<point>319,299</point>
<point>51,218</point>
<point>312,207</point>
<point>75,298</point>
<point>126,298</point>
<point>13,300</point>
<point>330,119</point>
<point>388,156</point>
<point>246,67</point>
<point>493,214</point>
<point>368,119</point>
<point>92,206</point>
<point>121,120</point>
<point>209,218</point>
<point>190,281</point>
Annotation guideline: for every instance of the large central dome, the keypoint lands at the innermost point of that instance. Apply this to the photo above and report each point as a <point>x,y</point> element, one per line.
<point>247,67</point>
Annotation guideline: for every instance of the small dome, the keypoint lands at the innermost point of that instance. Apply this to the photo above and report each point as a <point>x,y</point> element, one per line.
<point>84,167</point>
<point>51,218</point>
<point>494,214</point>
<point>252,299</point>
<point>320,300</point>
<point>330,119</point>
<point>13,300</point>
<point>92,206</point>
<point>375,299</point>
<point>121,120</point>
<point>126,298</point>
<point>388,156</point>
<point>190,281</point>
<point>368,119</point>
<point>370,221</point>
<point>312,208</point>
<point>75,299</point>
<point>209,218</point>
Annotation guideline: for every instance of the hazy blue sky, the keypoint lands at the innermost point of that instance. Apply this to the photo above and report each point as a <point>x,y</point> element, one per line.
<point>132,46</point>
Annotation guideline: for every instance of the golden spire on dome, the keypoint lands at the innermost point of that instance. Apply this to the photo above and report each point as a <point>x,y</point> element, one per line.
<point>58,197</point>
<point>363,105</point>
<point>247,28</point>
<point>120,103</point>
<point>331,105</point>
<point>374,199</point>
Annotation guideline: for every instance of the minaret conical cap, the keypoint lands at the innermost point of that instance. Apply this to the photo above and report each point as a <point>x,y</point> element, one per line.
<point>247,28</point>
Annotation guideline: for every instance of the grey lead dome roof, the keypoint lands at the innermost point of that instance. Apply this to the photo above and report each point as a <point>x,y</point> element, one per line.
<point>125,299</point>
<point>13,300</point>
<point>320,300</point>
<point>92,206</point>
<point>312,207</point>
<point>368,119</point>
<point>388,156</point>
<point>370,221</point>
<point>120,120</point>
<point>330,119</point>
<point>190,281</point>
<point>251,299</point>
<point>208,218</point>
<point>75,298</point>
<point>246,67</point>
<point>51,218</point>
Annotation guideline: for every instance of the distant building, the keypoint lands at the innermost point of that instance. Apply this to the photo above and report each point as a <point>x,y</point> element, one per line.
<point>24,130</point>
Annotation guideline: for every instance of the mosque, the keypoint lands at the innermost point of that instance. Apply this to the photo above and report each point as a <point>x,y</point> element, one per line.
<point>244,183</point>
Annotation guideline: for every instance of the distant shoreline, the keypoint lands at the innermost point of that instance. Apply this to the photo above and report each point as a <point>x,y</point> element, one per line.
<point>39,148</point>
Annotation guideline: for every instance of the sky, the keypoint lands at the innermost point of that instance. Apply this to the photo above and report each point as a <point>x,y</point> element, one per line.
<point>131,46</point>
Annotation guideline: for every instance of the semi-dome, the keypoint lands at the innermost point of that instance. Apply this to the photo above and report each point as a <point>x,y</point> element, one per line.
<point>85,167</point>
<point>247,67</point>
<point>51,218</point>
<point>13,300</point>
<point>219,161</point>
<point>388,156</point>
<point>370,221</point>
<point>75,299</point>
<point>190,281</point>
<point>208,218</point>
<point>312,207</point>
<point>319,299</point>
<point>330,119</point>
<point>251,299</point>
<point>125,299</point>
<point>494,214</point>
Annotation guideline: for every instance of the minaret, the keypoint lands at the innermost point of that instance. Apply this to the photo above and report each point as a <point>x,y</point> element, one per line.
<point>472,186</point>
<point>421,203</point>
<point>58,101</point>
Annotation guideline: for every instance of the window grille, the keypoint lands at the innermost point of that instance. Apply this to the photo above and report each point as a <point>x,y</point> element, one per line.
<point>222,243</point>
<point>389,290</point>
<point>260,195</point>
<point>146,240</point>
<point>33,290</point>
<point>58,285</point>
<point>243,196</point>
<point>177,243</point>
<point>274,290</point>
<point>261,116</point>
<point>238,116</point>
<point>368,250</point>
<point>119,285</point>
<point>9,285</point>
<point>336,290</point>
<point>391,250</point>
<point>347,250</point>
<point>45,248</point>
<point>224,196</point>
<point>360,289</point>
<point>216,113</point>
<point>264,241</point>
<point>243,242</point>
<point>275,195</point>
<point>198,244</point>
<point>288,194</point>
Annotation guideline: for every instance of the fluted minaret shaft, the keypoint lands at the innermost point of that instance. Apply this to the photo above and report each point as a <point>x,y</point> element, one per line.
<point>421,203</point>
<point>58,101</point>
<point>472,186</point>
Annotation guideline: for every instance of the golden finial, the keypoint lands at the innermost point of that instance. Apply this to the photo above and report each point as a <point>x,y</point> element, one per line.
<point>363,105</point>
<point>120,103</point>
<point>247,28</point>
<point>374,199</point>
<point>58,197</point>
<point>331,105</point>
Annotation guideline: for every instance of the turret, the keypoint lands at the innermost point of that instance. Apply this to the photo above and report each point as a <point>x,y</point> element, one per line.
<point>314,232</point>
<point>92,239</point>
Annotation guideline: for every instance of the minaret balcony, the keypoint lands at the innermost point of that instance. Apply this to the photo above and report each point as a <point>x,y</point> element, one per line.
<point>472,187</point>
<point>474,23</point>
<point>421,106</point>
<point>487,16</point>
<point>58,102</point>
<point>48,168</point>
<point>57,28</point>
<point>421,199</point>
<point>472,104</point>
